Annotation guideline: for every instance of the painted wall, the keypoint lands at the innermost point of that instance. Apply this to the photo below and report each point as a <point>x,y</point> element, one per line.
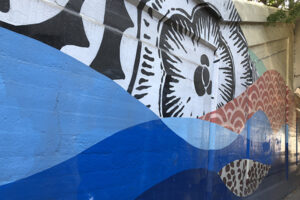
<point>273,48</point>
<point>143,99</point>
<point>297,58</point>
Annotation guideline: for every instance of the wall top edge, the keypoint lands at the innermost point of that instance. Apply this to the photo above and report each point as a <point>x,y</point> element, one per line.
<point>253,11</point>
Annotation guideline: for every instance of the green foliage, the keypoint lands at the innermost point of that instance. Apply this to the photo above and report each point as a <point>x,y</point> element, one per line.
<point>294,13</point>
<point>289,15</point>
<point>275,3</point>
<point>279,16</point>
<point>289,10</point>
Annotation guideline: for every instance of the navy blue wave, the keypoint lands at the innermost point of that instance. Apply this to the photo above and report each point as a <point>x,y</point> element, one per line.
<point>190,184</point>
<point>127,164</point>
<point>122,166</point>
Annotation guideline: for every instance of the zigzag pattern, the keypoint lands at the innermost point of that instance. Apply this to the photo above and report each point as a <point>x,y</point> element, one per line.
<point>268,94</point>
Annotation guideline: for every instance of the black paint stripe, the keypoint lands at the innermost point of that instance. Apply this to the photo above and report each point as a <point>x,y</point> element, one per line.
<point>146,65</point>
<point>146,22</point>
<point>139,47</point>
<point>143,87</point>
<point>148,58</point>
<point>136,68</point>
<point>4,5</point>
<point>66,28</point>
<point>140,96</point>
<point>148,51</point>
<point>142,80</point>
<point>147,73</point>
<point>147,37</point>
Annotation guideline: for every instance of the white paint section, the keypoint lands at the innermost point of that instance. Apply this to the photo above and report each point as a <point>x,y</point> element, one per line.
<point>222,7</point>
<point>61,2</point>
<point>189,53</point>
<point>145,69</point>
<point>128,47</point>
<point>251,11</point>
<point>93,17</point>
<point>24,12</point>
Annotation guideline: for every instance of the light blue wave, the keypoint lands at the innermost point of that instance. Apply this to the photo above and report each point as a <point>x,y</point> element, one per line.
<point>209,136</point>
<point>201,134</point>
<point>53,107</point>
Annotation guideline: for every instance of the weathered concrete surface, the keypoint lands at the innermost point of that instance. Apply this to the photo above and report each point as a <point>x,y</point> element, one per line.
<point>277,47</point>
<point>295,195</point>
<point>252,11</point>
<point>297,55</point>
<point>272,44</point>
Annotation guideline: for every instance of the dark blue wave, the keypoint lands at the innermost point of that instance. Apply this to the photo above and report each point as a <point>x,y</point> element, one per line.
<point>122,166</point>
<point>190,184</point>
<point>127,164</point>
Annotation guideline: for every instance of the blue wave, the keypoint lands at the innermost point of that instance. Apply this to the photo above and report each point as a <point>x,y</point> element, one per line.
<point>209,136</point>
<point>53,107</point>
<point>201,134</point>
<point>57,111</point>
<point>190,184</point>
<point>127,164</point>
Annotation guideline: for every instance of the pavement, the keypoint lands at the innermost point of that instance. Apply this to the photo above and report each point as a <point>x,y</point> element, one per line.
<point>295,195</point>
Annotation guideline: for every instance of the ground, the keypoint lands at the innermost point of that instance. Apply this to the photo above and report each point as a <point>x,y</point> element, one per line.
<point>295,195</point>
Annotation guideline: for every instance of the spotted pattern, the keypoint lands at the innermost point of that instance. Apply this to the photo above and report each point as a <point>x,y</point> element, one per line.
<point>243,177</point>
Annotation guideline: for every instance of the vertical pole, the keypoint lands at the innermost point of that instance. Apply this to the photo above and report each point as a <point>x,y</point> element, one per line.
<point>248,124</point>
<point>211,160</point>
<point>287,151</point>
<point>286,108</point>
<point>297,131</point>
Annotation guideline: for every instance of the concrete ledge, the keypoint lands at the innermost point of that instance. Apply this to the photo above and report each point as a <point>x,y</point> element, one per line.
<point>253,11</point>
<point>297,52</point>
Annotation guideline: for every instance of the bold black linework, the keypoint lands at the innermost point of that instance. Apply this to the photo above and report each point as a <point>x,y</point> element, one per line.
<point>139,47</point>
<point>174,30</point>
<point>202,81</point>
<point>142,85</point>
<point>66,28</point>
<point>107,60</point>
<point>240,41</point>
<point>197,25</point>
<point>4,5</point>
<point>172,38</point>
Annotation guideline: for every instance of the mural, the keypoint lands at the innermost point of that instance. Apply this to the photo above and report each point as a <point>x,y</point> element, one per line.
<point>220,49</point>
<point>235,173</point>
<point>268,94</point>
<point>171,106</point>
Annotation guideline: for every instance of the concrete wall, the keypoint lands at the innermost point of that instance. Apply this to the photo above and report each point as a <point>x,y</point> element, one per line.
<point>130,99</point>
<point>275,48</point>
<point>297,52</point>
<point>272,44</point>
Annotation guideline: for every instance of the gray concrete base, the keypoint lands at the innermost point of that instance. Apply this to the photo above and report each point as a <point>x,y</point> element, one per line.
<point>277,187</point>
<point>295,195</point>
